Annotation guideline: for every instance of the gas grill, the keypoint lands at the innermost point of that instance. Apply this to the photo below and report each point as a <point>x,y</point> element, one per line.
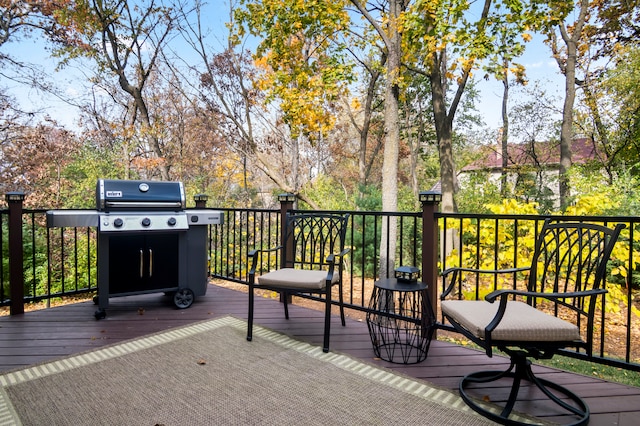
<point>147,241</point>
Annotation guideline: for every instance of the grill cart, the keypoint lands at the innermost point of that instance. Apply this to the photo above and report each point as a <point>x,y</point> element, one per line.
<point>147,241</point>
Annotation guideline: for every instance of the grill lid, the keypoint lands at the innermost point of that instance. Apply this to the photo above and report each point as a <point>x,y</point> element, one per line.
<point>119,195</point>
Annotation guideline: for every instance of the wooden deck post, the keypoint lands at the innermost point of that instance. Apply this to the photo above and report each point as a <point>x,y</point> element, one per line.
<point>286,204</point>
<point>201,200</point>
<point>16,273</point>
<point>430,201</point>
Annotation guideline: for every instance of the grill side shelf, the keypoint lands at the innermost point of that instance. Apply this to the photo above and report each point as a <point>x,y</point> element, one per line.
<point>72,218</point>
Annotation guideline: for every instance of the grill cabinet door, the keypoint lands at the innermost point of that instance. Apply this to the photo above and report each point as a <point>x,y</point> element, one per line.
<point>143,262</point>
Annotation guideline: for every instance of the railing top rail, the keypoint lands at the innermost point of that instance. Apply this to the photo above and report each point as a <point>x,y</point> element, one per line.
<point>586,218</point>
<point>361,212</point>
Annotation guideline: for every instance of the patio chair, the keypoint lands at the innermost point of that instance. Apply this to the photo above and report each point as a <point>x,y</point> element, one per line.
<point>557,310</point>
<point>311,260</point>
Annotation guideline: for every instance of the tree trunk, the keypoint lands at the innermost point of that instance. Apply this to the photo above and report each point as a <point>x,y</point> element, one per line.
<point>392,141</point>
<point>444,133</point>
<point>443,118</point>
<point>364,166</point>
<point>392,39</point>
<point>566,131</point>
<point>568,67</point>
<point>504,138</point>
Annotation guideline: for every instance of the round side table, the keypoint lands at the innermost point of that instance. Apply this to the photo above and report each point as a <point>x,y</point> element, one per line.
<point>400,320</point>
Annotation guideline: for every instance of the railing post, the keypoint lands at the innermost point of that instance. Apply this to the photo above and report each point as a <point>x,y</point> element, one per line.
<point>16,273</point>
<point>430,201</point>
<point>201,200</point>
<point>286,204</point>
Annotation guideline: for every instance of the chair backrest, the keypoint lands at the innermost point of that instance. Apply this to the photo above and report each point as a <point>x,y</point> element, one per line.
<point>311,237</point>
<point>572,257</point>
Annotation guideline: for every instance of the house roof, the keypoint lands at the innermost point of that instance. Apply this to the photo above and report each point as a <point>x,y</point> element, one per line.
<point>532,154</point>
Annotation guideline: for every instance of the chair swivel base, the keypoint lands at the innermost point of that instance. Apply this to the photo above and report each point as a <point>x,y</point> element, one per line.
<point>578,411</point>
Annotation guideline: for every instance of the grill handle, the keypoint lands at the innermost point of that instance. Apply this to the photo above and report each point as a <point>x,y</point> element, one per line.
<point>141,263</point>
<point>142,205</point>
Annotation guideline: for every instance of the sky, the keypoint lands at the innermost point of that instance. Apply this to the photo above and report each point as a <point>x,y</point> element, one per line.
<point>540,67</point>
<point>536,59</point>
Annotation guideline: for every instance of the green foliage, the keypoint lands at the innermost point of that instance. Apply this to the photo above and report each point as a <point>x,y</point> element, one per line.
<point>496,248</point>
<point>371,199</point>
<point>485,247</point>
<point>302,61</point>
<point>70,265</point>
<point>622,104</point>
<point>531,187</point>
<point>328,194</point>
<point>620,197</point>
<point>364,233</point>
<point>477,193</point>
<point>81,175</point>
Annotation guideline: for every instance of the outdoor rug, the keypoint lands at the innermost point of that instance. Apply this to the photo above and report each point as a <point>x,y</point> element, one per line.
<point>208,374</point>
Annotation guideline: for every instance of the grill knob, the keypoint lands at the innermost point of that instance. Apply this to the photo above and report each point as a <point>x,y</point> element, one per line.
<point>146,222</point>
<point>172,221</point>
<point>118,223</point>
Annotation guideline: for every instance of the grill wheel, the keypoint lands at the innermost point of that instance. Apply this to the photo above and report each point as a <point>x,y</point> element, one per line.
<point>183,298</point>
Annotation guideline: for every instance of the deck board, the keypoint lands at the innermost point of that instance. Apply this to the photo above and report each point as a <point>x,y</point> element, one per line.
<point>40,336</point>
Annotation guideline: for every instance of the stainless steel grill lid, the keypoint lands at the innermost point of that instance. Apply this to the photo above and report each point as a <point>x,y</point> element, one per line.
<point>119,195</point>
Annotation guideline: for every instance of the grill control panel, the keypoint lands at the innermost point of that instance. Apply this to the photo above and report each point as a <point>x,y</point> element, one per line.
<point>143,221</point>
<point>205,217</point>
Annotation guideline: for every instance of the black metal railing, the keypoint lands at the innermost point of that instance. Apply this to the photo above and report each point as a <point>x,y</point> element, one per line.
<point>56,262</point>
<point>247,229</point>
<point>61,262</point>
<point>506,241</point>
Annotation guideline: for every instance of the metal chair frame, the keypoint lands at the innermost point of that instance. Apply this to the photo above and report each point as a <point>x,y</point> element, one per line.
<point>312,241</point>
<point>568,270</point>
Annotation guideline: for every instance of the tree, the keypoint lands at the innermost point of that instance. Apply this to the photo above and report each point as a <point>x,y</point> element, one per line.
<point>608,113</point>
<point>300,67</point>
<point>567,57</point>
<point>599,31</point>
<point>125,41</point>
<point>33,160</point>
<point>452,39</point>
<point>509,41</point>
<point>24,16</point>
<point>364,116</point>
<point>388,27</point>
<point>609,91</point>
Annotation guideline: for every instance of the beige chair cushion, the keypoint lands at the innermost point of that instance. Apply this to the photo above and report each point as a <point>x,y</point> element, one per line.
<point>296,278</point>
<point>521,322</point>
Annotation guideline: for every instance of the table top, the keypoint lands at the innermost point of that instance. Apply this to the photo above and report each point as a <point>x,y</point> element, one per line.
<point>394,285</point>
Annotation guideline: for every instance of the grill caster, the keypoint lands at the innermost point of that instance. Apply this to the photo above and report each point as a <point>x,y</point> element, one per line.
<point>183,298</point>
<point>100,314</point>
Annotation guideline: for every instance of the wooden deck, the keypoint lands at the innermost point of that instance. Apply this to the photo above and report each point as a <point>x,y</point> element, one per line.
<point>48,334</point>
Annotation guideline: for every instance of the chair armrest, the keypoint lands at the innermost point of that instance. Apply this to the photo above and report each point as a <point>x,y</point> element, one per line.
<point>456,274</point>
<point>331,261</point>
<point>332,257</point>
<point>491,297</point>
<point>253,255</point>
